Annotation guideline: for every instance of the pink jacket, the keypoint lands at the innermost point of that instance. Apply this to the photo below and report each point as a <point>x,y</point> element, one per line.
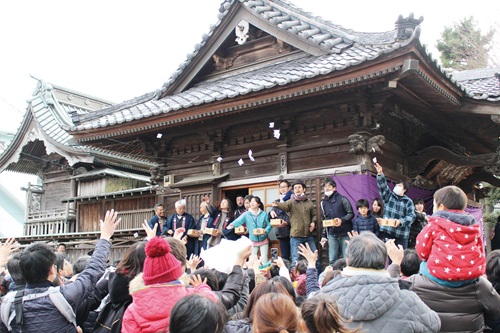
<point>151,306</point>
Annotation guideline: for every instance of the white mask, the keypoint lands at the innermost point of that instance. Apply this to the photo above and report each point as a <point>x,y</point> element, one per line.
<point>398,190</point>
<point>329,193</point>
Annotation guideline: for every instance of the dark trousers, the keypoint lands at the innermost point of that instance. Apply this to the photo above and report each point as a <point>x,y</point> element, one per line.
<point>285,248</point>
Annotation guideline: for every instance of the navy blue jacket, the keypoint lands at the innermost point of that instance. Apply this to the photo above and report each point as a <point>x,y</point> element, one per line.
<point>285,231</point>
<point>156,220</point>
<point>337,206</point>
<point>368,223</point>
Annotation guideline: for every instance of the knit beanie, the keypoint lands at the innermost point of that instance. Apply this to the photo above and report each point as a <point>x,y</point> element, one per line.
<point>160,265</point>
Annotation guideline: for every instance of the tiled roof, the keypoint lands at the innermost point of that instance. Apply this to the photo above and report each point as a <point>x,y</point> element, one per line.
<point>240,84</point>
<point>483,84</point>
<point>330,37</point>
<point>343,48</point>
<point>51,115</point>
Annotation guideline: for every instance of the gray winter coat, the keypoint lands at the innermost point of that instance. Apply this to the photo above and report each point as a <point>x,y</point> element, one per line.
<point>377,303</point>
<point>41,316</point>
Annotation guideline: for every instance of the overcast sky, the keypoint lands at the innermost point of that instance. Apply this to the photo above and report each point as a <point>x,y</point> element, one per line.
<point>117,50</point>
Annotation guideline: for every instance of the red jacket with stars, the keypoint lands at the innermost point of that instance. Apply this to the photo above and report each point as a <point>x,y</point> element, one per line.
<point>452,245</point>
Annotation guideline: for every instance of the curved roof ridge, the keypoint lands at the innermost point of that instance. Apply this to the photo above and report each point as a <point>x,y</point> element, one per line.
<point>49,119</point>
<point>286,16</point>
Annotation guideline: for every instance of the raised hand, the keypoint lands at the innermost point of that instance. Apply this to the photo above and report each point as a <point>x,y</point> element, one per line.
<point>193,262</point>
<point>310,256</point>
<point>396,253</point>
<point>178,233</point>
<point>108,226</point>
<point>196,280</point>
<point>243,255</point>
<point>5,250</point>
<point>150,233</point>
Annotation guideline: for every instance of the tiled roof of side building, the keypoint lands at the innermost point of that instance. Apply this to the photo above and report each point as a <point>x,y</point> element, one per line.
<point>51,115</point>
<point>482,84</point>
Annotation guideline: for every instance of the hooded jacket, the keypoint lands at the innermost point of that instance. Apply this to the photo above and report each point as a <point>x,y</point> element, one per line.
<point>378,304</point>
<point>151,306</point>
<point>452,245</point>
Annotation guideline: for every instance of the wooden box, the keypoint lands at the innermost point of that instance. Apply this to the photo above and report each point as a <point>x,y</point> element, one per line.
<point>209,231</point>
<point>240,230</point>
<point>332,223</point>
<point>259,231</point>
<point>388,222</point>
<point>275,222</point>
<point>328,223</point>
<point>192,233</point>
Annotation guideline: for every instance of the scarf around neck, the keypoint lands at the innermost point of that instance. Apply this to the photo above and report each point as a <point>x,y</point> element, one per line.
<point>296,198</point>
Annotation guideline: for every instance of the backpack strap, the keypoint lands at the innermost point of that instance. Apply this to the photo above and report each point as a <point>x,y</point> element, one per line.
<point>7,317</point>
<point>62,305</point>
<point>55,296</point>
<point>18,307</point>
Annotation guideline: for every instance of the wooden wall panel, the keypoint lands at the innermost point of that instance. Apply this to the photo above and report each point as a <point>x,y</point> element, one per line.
<point>55,192</point>
<point>91,187</point>
<point>90,213</point>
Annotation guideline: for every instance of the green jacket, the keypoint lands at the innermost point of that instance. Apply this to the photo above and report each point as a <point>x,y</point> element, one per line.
<point>302,214</point>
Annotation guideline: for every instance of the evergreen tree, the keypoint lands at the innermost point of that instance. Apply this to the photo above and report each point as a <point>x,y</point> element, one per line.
<point>463,47</point>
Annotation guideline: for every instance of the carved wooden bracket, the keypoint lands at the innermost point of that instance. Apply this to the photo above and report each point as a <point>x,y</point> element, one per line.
<point>418,163</point>
<point>364,142</point>
<point>222,63</point>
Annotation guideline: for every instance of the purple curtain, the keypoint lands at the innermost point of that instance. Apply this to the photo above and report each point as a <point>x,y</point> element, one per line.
<point>477,213</point>
<point>364,186</point>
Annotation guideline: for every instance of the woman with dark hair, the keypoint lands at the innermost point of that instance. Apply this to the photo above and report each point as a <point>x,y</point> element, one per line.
<point>275,312</point>
<point>242,321</point>
<point>378,208</point>
<point>256,219</point>
<point>223,217</point>
<point>110,318</point>
<point>196,313</point>
<point>321,315</point>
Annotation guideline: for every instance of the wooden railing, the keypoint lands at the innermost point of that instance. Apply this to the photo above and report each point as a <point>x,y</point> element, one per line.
<point>62,221</point>
<point>50,222</point>
<point>133,219</point>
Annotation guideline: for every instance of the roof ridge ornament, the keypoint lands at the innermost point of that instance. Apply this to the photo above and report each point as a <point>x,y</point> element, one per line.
<point>241,32</point>
<point>406,26</point>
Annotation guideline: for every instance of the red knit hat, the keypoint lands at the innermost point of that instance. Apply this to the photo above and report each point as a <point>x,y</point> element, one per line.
<point>160,265</point>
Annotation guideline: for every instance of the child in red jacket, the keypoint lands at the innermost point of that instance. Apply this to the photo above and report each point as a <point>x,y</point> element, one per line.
<point>451,244</point>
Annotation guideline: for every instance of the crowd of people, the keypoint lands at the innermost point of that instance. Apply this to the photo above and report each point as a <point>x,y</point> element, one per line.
<point>392,268</point>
